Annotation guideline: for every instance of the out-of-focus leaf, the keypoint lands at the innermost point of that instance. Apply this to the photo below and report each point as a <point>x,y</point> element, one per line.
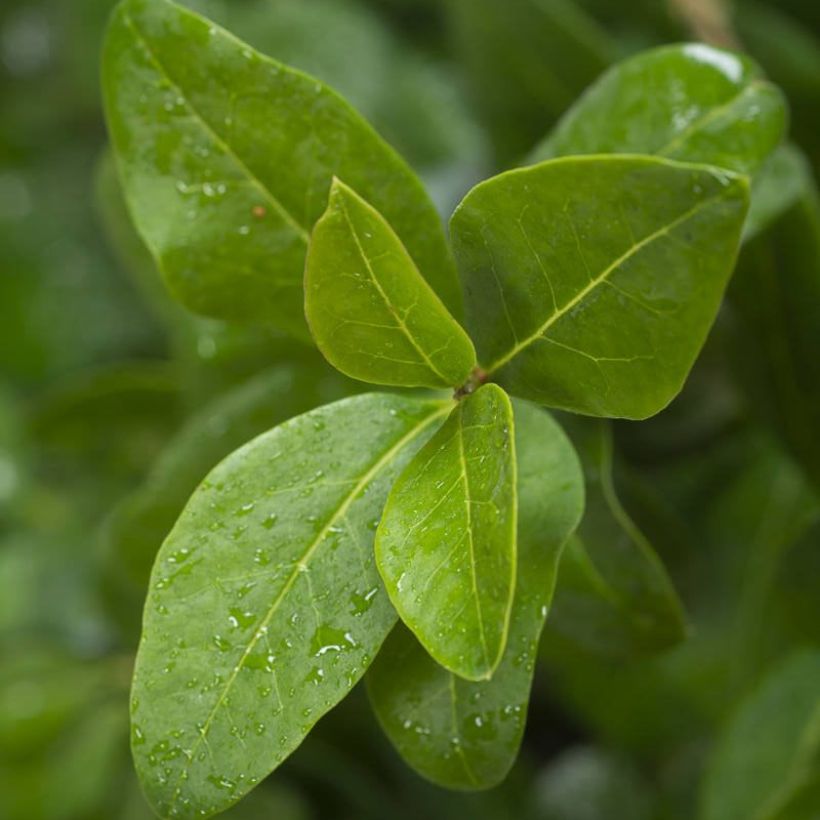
<point>592,282</point>
<point>770,751</point>
<point>527,61</point>
<point>369,309</point>
<point>776,302</point>
<point>141,522</point>
<point>265,605</point>
<point>446,544</point>
<point>614,596</point>
<point>227,157</point>
<point>466,735</point>
<point>693,103</point>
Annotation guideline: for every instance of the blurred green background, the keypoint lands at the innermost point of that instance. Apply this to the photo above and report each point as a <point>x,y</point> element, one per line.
<point>114,403</point>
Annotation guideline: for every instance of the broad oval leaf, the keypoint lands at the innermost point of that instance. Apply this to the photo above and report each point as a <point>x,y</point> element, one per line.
<point>265,605</point>
<point>446,545</point>
<point>227,156</point>
<point>690,102</point>
<point>592,282</point>
<point>370,311</point>
<point>769,755</point>
<point>463,734</point>
<point>614,596</point>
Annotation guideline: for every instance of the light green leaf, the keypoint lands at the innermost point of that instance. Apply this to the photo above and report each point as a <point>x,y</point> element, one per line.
<point>614,596</point>
<point>369,309</point>
<point>591,282</point>
<point>227,156</point>
<point>265,605</point>
<point>770,752</point>
<point>446,545</point>
<point>463,734</point>
<point>690,102</point>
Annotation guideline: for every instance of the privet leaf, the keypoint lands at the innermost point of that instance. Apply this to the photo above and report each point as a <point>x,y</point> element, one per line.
<point>687,102</point>
<point>463,734</point>
<point>591,282</point>
<point>369,309</point>
<point>265,606</point>
<point>227,156</point>
<point>446,545</point>
<point>614,597</point>
<point>769,755</point>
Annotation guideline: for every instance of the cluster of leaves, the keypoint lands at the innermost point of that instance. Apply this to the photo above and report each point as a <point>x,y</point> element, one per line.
<point>416,536</point>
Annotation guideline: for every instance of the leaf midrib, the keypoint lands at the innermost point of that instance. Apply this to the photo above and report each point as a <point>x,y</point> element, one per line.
<point>299,567</point>
<point>596,282</point>
<point>291,221</point>
<point>388,304</point>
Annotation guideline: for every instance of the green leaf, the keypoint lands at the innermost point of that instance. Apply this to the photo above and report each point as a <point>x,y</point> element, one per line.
<point>614,596</point>
<point>591,282</point>
<point>692,102</point>
<point>463,734</point>
<point>446,545</point>
<point>265,605</point>
<point>770,751</point>
<point>369,309</point>
<point>227,156</point>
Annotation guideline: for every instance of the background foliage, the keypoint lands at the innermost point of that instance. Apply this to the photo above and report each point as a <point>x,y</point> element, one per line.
<point>114,403</point>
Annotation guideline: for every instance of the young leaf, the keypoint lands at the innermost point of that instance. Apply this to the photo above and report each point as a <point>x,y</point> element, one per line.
<point>446,545</point>
<point>690,102</point>
<point>265,606</point>
<point>227,156</point>
<point>370,311</point>
<point>614,597</point>
<point>770,752</point>
<point>591,282</point>
<point>463,734</point>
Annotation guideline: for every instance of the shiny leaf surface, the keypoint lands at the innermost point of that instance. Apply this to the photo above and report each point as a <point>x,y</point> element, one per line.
<point>462,734</point>
<point>446,545</point>
<point>369,309</point>
<point>591,282</point>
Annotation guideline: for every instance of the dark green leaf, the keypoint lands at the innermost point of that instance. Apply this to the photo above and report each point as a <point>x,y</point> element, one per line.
<point>693,103</point>
<point>462,734</point>
<point>614,596</point>
<point>771,749</point>
<point>227,157</point>
<point>370,311</point>
<point>446,545</point>
<point>265,605</point>
<point>591,282</point>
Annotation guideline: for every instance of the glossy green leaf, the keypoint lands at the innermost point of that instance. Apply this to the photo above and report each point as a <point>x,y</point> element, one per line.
<point>369,309</point>
<point>692,102</point>
<point>463,734</point>
<point>770,751</point>
<point>614,596</point>
<point>227,156</point>
<point>446,545</point>
<point>591,282</point>
<point>265,605</point>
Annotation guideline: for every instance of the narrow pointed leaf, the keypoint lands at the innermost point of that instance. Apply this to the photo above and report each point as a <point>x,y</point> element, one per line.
<point>265,606</point>
<point>369,309</point>
<point>446,543</point>
<point>614,596</point>
<point>463,734</point>
<point>227,156</point>
<point>687,102</point>
<point>591,282</point>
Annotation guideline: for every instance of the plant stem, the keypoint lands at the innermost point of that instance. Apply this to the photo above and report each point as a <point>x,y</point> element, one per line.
<point>709,20</point>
